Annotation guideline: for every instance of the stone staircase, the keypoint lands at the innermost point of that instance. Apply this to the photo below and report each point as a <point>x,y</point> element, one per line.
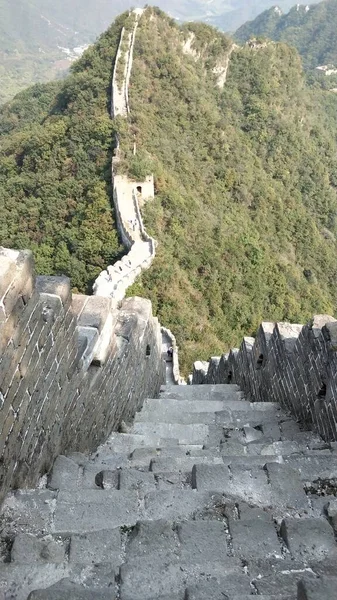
<point>205,497</point>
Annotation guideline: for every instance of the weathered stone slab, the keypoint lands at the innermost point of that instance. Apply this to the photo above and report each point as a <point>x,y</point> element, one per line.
<point>94,510</point>
<point>104,546</point>
<point>27,548</point>
<point>175,504</point>
<point>30,510</point>
<point>231,586</point>
<point>17,581</point>
<point>324,588</point>
<point>310,539</point>
<point>132,479</point>
<point>66,590</point>
<point>312,468</point>
<point>184,464</point>
<point>154,581</point>
<point>245,484</point>
<point>155,539</point>
<point>202,541</point>
<point>286,487</point>
<point>55,285</point>
<point>284,582</point>
<point>187,434</point>
<point>254,538</point>
<point>64,475</point>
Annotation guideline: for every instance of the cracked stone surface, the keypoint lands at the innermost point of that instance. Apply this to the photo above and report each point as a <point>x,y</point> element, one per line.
<point>205,497</point>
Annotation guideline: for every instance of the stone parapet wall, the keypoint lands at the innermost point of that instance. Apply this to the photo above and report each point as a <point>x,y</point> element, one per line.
<point>72,368</point>
<point>295,365</point>
<point>115,279</point>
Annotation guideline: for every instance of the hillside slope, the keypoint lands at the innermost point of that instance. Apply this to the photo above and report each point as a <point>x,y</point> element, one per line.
<point>310,29</point>
<point>245,173</point>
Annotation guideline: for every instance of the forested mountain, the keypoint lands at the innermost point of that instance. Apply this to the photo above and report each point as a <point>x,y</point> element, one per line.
<point>245,178</point>
<point>311,29</point>
<point>39,38</point>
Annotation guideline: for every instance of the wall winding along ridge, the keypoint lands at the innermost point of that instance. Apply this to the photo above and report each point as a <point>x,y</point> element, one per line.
<point>114,281</point>
<point>295,365</point>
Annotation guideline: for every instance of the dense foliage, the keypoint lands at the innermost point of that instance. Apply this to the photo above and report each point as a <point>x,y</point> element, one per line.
<point>312,30</point>
<point>56,144</point>
<point>245,180</point>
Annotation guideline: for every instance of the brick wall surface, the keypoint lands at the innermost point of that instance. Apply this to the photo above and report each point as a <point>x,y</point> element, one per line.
<point>72,367</point>
<point>295,365</point>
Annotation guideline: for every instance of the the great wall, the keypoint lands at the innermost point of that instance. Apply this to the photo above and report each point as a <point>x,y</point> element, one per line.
<point>116,486</point>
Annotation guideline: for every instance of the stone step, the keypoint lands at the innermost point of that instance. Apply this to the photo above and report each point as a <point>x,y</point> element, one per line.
<point>324,588</point>
<point>18,580</point>
<point>66,590</point>
<point>183,464</point>
<point>314,467</point>
<point>186,434</point>
<point>276,485</point>
<point>260,597</point>
<point>284,582</point>
<point>229,588</point>
<point>179,406</point>
<point>182,418</point>
<point>143,456</point>
<point>180,504</point>
<point>127,442</point>
<point>153,578</point>
<point>201,392</point>
<point>78,512</point>
<point>64,513</point>
<point>128,479</point>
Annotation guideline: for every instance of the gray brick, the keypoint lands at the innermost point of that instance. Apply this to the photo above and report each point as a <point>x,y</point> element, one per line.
<point>97,547</point>
<point>131,479</point>
<point>202,541</point>
<point>64,475</point>
<point>156,540</point>
<point>234,585</point>
<point>29,549</point>
<point>66,589</point>
<point>324,588</point>
<point>95,509</point>
<point>310,539</point>
<point>287,488</point>
<point>254,538</point>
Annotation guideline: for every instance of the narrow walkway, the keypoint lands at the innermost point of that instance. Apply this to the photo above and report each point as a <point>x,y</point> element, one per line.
<point>207,497</point>
<point>166,345</point>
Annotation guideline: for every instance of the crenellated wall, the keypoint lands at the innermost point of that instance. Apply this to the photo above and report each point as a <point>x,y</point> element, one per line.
<point>295,365</point>
<point>72,367</point>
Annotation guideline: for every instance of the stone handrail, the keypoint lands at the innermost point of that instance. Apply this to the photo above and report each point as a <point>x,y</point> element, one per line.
<point>295,365</point>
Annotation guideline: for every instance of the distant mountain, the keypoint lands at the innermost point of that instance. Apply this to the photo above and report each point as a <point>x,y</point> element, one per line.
<point>40,38</point>
<point>243,11</point>
<point>311,29</point>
